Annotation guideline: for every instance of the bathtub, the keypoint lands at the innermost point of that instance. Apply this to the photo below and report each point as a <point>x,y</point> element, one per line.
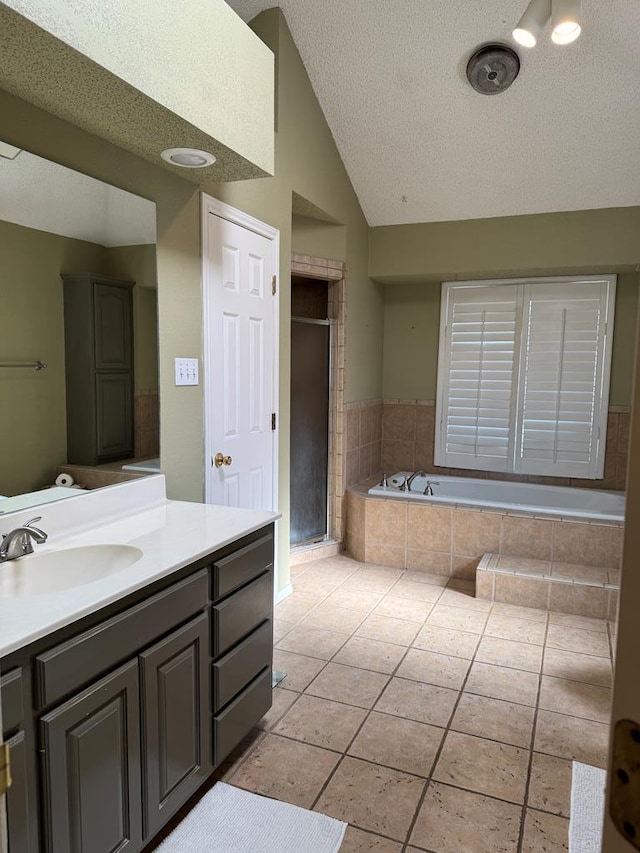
<point>591,504</point>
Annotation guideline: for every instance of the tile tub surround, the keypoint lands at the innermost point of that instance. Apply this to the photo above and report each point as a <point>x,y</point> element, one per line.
<point>450,541</point>
<point>364,440</point>
<point>408,434</point>
<point>465,743</point>
<point>579,590</point>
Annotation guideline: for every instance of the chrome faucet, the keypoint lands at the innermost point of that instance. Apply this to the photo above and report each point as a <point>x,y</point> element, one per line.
<point>413,476</point>
<point>428,490</point>
<point>19,542</point>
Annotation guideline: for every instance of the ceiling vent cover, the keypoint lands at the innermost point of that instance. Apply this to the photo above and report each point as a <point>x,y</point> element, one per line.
<point>493,68</point>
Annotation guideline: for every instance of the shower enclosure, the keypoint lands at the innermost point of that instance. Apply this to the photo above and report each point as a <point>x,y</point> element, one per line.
<point>310,393</point>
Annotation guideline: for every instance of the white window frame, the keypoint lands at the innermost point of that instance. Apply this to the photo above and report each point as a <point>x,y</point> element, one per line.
<point>513,464</point>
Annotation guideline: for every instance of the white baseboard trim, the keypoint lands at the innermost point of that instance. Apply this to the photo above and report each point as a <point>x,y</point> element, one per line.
<point>283,593</point>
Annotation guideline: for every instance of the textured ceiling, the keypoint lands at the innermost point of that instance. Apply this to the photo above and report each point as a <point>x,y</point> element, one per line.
<point>48,197</point>
<point>389,75</point>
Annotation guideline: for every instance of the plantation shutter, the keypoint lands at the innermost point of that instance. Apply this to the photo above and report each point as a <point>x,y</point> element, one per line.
<point>563,384</point>
<point>476,377</point>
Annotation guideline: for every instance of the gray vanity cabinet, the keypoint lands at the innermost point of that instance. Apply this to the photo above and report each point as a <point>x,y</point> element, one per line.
<point>176,739</point>
<point>98,330</point>
<point>92,768</point>
<point>22,838</point>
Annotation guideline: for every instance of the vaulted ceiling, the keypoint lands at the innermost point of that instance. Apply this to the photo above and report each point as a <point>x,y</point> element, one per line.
<point>420,145</point>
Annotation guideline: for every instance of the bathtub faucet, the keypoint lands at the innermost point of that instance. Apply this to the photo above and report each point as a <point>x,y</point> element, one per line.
<point>413,476</point>
<point>428,490</point>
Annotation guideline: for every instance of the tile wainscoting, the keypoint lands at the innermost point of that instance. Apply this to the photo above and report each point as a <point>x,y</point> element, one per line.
<point>408,435</point>
<point>364,440</point>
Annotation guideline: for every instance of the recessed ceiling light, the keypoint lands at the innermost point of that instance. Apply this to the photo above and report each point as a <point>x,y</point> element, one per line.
<point>188,158</point>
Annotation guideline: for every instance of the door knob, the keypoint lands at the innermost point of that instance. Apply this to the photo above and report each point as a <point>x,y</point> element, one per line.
<point>219,460</point>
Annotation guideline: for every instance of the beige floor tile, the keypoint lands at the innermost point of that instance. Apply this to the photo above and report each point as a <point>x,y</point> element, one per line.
<point>446,641</point>
<point>499,682</point>
<point>370,654</point>
<point>314,586</point>
<point>282,700</point>
<point>370,582</point>
<point>425,703</point>
<point>425,577</point>
<point>281,629</point>
<point>293,608</point>
<point>286,770</point>
<point>299,669</point>
<point>453,597</point>
<point>347,684</point>
<point>572,737</point>
<point>353,599</point>
<point>239,755</point>
<point>514,628</point>
<point>416,591</point>
<point>575,698</point>
<point>457,618</point>
<point>313,642</point>
<point>545,833</point>
<point>358,841</point>
<point>454,821</point>
<point>372,797</point>
<point>388,629</point>
<point>550,784</point>
<point>483,766</point>
<point>507,653</point>
<point>586,668</point>
<point>441,670</point>
<point>585,623</point>
<point>404,608</point>
<point>533,614</point>
<point>331,618</point>
<point>494,719</point>
<point>577,640</point>
<point>399,743</point>
<point>320,722</point>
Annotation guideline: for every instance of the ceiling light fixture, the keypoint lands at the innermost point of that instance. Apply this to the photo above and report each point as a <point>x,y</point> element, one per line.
<point>565,16</point>
<point>565,19</point>
<point>188,158</point>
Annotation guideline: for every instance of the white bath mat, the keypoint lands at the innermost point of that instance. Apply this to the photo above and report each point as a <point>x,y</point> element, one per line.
<point>587,808</point>
<point>229,820</point>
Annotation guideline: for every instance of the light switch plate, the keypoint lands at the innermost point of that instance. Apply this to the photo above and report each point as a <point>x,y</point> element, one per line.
<point>186,371</point>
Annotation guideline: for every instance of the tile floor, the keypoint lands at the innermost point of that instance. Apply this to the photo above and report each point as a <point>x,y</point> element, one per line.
<point>427,719</point>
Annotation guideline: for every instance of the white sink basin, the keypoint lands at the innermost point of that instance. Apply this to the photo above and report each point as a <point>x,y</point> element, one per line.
<point>54,571</point>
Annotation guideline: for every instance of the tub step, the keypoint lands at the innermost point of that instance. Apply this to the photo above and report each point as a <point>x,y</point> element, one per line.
<point>563,587</point>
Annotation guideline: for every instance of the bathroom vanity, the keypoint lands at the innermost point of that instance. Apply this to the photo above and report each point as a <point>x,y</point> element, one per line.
<point>118,710</point>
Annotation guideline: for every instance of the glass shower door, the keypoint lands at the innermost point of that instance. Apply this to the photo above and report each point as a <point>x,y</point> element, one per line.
<point>310,348</point>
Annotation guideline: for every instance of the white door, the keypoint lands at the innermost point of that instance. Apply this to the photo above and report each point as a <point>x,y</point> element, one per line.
<point>241,358</point>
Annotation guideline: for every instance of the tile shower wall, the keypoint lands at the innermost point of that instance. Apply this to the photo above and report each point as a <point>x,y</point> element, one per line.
<point>408,434</point>
<point>146,420</point>
<point>364,440</point>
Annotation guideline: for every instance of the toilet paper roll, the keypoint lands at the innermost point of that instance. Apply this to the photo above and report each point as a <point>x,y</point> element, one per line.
<point>64,480</point>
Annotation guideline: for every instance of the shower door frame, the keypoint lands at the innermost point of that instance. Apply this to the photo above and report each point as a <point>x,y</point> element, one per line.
<point>334,273</point>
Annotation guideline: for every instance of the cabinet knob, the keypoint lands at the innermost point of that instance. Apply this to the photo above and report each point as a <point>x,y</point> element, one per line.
<point>219,460</point>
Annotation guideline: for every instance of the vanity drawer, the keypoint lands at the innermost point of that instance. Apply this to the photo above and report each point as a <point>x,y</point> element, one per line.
<point>238,615</point>
<point>238,718</point>
<point>240,567</point>
<point>239,666</point>
<point>80,660</point>
<point>12,701</point>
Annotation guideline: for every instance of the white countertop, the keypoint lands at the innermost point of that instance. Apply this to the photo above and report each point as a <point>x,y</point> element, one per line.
<point>171,534</point>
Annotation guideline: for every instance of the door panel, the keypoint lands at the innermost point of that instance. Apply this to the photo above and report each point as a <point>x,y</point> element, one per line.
<point>113,326</point>
<point>240,387</point>
<point>22,836</point>
<point>114,415</point>
<point>175,679</point>
<point>91,747</point>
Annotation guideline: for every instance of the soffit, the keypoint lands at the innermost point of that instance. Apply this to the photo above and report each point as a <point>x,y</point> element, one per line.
<point>389,76</point>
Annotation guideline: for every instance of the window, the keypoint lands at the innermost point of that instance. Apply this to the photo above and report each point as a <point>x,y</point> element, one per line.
<point>523,375</point>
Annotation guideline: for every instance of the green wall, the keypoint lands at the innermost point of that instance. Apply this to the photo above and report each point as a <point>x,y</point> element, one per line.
<point>318,239</point>
<point>33,425</point>
<point>411,338</point>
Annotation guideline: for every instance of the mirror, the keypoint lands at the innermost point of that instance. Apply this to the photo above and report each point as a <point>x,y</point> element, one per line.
<point>54,222</point>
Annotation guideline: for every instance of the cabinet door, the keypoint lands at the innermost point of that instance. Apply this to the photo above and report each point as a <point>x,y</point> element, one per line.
<point>175,684</point>
<point>113,326</point>
<point>20,819</point>
<point>92,793</point>
<point>114,415</point>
